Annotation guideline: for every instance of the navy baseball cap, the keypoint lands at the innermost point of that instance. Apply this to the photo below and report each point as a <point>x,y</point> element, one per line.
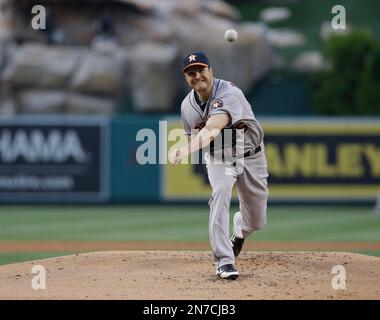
<point>195,58</point>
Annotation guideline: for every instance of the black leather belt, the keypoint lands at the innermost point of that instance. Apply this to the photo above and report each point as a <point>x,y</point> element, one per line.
<point>256,150</point>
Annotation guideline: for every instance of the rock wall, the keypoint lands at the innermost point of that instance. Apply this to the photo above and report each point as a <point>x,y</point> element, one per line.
<point>73,68</point>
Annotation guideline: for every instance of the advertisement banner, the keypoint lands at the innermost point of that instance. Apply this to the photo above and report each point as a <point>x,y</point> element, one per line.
<point>131,181</point>
<point>309,160</point>
<point>50,159</point>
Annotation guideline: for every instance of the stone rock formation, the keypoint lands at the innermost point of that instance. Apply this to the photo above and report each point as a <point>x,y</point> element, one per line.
<point>95,53</point>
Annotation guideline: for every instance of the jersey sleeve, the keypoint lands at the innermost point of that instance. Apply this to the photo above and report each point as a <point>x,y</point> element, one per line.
<point>229,104</point>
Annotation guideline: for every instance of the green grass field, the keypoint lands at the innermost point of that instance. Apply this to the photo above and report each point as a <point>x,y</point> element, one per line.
<point>176,223</point>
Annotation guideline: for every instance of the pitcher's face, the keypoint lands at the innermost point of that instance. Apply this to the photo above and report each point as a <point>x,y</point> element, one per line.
<point>199,78</point>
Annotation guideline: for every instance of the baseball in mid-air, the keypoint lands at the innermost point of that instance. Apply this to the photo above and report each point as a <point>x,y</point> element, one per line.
<point>231,35</point>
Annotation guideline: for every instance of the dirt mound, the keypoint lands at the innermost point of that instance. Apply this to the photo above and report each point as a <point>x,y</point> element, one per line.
<point>186,275</point>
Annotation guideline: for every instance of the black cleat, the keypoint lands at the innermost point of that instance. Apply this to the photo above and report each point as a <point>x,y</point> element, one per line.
<point>237,244</point>
<point>228,272</point>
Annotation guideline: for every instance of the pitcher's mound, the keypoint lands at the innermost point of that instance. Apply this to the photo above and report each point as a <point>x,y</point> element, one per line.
<point>172,275</point>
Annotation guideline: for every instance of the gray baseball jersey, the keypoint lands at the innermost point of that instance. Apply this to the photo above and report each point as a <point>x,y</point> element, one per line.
<point>225,98</point>
<point>251,182</point>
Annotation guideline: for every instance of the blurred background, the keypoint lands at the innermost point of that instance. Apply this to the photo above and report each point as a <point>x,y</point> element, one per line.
<point>80,79</point>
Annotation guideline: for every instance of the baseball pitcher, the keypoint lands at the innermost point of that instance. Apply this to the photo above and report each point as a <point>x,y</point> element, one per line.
<point>216,110</point>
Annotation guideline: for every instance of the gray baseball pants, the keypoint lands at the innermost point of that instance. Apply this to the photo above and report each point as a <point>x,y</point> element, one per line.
<point>251,183</point>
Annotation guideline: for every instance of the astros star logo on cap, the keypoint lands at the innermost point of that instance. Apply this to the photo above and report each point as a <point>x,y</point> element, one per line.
<point>195,58</point>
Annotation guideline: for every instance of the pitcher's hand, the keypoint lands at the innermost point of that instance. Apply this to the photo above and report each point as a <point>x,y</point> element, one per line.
<point>175,157</point>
